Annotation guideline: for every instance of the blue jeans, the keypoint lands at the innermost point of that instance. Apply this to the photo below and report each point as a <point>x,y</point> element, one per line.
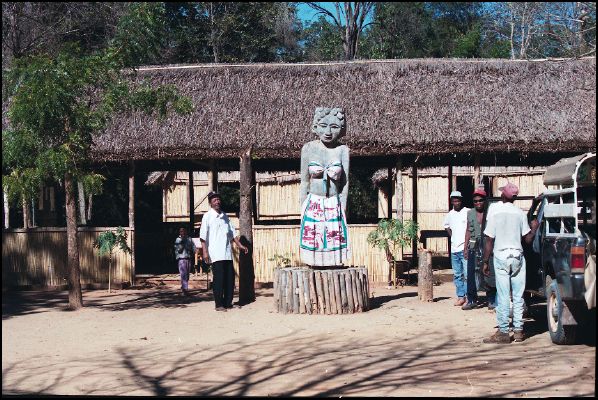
<point>510,277</point>
<point>459,264</point>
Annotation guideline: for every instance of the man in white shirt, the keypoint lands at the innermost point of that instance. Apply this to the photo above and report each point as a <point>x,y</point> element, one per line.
<point>455,224</point>
<point>506,225</point>
<point>216,234</point>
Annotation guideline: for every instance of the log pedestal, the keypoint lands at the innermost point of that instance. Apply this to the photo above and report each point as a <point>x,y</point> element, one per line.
<point>301,290</point>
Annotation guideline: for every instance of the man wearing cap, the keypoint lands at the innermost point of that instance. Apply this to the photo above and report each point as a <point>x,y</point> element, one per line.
<point>455,224</point>
<point>473,236</point>
<point>216,234</point>
<point>506,225</point>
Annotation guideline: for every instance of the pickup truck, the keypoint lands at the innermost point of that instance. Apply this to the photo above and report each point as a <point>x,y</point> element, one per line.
<point>559,261</point>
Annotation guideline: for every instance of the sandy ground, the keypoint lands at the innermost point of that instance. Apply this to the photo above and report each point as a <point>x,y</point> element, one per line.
<point>156,342</point>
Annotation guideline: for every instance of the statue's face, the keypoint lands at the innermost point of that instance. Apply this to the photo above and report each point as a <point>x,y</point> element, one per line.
<point>328,128</point>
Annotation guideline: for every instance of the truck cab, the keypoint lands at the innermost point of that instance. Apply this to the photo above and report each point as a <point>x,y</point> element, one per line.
<point>565,246</point>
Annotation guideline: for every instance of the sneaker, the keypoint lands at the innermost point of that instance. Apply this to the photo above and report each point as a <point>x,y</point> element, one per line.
<point>220,309</point>
<point>460,301</point>
<point>469,306</point>
<point>498,337</point>
<point>518,336</point>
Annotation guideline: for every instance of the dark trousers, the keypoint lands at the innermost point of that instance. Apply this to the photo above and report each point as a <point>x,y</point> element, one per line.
<point>472,290</point>
<point>224,283</point>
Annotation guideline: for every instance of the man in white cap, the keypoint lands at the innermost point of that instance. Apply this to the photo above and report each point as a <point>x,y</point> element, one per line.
<point>506,225</point>
<point>455,224</point>
<point>216,234</point>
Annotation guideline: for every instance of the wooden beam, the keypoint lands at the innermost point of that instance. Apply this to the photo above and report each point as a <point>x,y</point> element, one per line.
<point>414,214</point>
<point>212,177</point>
<point>389,194</point>
<point>246,271</point>
<point>132,217</point>
<point>477,178</point>
<point>191,201</point>
<point>399,188</point>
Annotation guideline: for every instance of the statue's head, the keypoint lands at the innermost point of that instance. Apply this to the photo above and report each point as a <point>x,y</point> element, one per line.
<point>329,124</point>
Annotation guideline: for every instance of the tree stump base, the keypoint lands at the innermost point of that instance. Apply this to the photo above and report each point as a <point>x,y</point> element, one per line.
<point>302,290</point>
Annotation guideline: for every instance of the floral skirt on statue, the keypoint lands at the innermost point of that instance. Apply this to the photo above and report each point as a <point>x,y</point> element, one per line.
<point>324,239</point>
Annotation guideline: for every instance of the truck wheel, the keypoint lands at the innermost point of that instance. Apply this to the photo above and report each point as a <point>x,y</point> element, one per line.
<point>559,333</point>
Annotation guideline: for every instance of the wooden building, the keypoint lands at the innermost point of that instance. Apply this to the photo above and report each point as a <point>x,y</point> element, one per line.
<point>405,115</point>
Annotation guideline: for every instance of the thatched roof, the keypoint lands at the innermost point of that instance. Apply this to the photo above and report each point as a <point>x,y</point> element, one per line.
<point>433,106</point>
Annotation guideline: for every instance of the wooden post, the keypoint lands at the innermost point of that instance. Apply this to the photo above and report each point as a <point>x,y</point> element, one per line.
<point>132,217</point>
<point>213,177</point>
<point>399,189</point>
<point>246,272</point>
<point>476,172</point>
<point>389,198</point>
<point>425,281</point>
<point>450,189</point>
<point>414,212</point>
<point>191,202</point>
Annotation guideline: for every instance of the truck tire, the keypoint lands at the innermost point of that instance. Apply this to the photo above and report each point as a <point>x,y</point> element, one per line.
<point>559,333</point>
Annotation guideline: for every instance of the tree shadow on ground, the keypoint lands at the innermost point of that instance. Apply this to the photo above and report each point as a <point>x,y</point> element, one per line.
<point>310,365</point>
<point>19,303</point>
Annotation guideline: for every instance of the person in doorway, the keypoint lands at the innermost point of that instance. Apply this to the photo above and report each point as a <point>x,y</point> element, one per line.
<point>216,234</point>
<point>455,224</point>
<point>473,236</point>
<point>184,251</point>
<point>506,226</point>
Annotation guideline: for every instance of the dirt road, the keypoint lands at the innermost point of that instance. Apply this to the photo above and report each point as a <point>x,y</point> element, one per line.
<point>155,342</point>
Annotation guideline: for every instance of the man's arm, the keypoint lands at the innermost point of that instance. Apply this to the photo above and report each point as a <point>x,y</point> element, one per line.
<point>240,245</point>
<point>204,250</point>
<point>488,246</point>
<point>467,237</point>
<point>530,235</point>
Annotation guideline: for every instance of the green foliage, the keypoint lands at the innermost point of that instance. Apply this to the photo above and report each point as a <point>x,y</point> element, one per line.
<point>281,260</point>
<point>109,240</point>
<point>57,103</point>
<point>322,41</point>
<point>390,234</point>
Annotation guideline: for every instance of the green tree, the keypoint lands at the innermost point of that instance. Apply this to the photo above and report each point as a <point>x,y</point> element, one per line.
<point>400,30</point>
<point>107,242</point>
<point>390,235</point>
<point>349,19</point>
<point>57,104</point>
<point>322,41</point>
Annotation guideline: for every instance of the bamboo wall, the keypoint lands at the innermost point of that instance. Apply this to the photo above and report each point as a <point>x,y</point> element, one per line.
<point>39,256</point>
<point>433,195</point>
<point>284,240</point>
<point>278,201</point>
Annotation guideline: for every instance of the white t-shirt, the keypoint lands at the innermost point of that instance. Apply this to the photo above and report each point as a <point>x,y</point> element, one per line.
<point>507,224</point>
<point>457,222</point>
<point>217,231</point>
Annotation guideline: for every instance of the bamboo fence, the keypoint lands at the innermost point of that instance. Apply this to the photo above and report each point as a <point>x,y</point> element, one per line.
<point>39,256</point>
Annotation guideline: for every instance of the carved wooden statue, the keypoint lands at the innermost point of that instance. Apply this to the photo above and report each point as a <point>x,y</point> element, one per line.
<point>324,239</point>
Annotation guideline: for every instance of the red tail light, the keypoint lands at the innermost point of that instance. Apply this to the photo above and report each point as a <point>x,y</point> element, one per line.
<point>578,260</point>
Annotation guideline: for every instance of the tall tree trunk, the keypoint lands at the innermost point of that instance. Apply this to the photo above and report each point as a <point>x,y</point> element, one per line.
<point>25,214</point>
<point>74,272</point>
<point>6,211</point>
<point>246,272</point>
<point>81,198</point>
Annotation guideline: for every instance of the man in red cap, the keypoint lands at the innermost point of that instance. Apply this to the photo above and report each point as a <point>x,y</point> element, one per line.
<point>506,226</point>
<point>473,236</point>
